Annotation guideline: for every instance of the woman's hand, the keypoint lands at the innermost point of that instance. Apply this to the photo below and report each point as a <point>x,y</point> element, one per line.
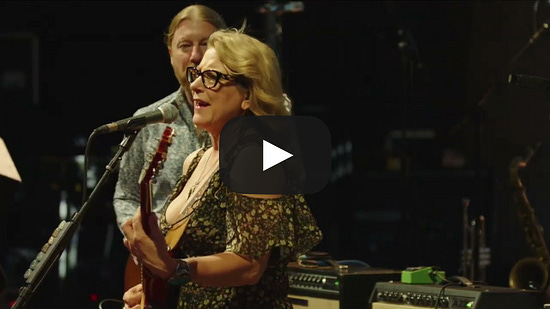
<point>132,297</point>
<point>149,249</point>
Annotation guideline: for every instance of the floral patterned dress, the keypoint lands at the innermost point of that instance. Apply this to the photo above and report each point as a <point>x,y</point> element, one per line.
<point>225,221</point>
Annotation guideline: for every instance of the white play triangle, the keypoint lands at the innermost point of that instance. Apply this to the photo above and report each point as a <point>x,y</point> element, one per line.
<point>273,155</point>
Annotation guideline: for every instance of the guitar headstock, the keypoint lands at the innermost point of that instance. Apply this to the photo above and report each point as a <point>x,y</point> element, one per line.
<point>156,160</point>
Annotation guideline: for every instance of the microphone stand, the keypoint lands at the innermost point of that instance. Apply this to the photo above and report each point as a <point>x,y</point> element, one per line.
<point>410,62</point>
<point>478,114</point>
<point>62,235</point>
<point>509,66</point>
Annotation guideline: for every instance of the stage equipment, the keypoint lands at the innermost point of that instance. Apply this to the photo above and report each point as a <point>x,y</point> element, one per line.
<point>531,272</point>
<point>397,295</point>
<point>61,236</point>
<point>165,113</point>
<point>422,274</point>
<point>528,81</point>
<point>335,286</point>
<point>474,262</point>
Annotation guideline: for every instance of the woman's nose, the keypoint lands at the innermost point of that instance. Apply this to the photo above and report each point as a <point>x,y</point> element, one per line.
<point>197,85</point>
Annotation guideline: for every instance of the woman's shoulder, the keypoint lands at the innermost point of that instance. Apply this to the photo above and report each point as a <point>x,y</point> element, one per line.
<point>191,157</point>
<point>193,154</point>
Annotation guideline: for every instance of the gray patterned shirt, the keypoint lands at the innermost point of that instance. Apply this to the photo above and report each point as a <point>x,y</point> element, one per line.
<point>126,197</point>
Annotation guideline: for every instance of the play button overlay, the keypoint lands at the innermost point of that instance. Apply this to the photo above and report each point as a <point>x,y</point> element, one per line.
<point>275,154</point>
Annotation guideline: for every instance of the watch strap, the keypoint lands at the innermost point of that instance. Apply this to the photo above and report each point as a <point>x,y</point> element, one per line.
<point>182,274</point>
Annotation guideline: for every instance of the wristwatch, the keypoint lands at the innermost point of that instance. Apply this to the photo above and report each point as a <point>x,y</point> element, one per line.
<point>182,274</point>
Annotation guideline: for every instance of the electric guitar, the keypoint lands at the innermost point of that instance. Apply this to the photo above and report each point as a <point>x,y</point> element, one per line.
<point>154,289</point>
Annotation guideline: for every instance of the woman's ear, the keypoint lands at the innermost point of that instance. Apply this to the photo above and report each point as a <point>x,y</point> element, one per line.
<point>245,104</point>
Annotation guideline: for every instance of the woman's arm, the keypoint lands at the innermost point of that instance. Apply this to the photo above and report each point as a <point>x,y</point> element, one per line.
<point>227,269</point>
<point>222,269</point>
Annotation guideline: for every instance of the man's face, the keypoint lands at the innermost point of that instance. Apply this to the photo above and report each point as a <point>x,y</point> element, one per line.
<point>188,46</point>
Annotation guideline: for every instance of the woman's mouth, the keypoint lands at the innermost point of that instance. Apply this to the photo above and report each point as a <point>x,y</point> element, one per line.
<point>200,103</point>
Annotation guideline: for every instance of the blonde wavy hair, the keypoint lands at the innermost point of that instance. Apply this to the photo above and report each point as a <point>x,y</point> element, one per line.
<point>256,66</point>
<point>193,12</point>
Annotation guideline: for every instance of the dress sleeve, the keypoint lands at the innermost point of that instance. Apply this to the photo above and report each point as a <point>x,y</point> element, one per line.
<point>256,226</point>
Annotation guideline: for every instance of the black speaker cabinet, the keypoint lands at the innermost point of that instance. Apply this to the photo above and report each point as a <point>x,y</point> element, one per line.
<point>333,288</point>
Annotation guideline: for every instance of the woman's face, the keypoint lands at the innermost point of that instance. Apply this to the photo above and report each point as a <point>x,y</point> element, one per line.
<point>214,107</point>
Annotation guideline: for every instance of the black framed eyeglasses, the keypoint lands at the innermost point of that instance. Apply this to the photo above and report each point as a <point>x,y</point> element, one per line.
<point>210,78</point>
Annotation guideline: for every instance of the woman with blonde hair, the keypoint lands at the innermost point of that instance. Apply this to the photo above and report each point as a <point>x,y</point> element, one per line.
<point>235,247</point>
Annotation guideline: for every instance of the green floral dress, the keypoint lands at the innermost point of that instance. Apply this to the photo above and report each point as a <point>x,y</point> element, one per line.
<point>225,221</point>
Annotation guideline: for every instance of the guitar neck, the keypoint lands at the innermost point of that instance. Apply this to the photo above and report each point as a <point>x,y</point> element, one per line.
<point>153,296</point>
<point>146,204</point>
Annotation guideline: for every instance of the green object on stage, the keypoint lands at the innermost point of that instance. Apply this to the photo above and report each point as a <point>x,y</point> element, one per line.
<point>422,275</point>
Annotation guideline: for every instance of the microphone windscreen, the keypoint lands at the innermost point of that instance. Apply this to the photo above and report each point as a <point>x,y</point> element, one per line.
<point>169,112</point>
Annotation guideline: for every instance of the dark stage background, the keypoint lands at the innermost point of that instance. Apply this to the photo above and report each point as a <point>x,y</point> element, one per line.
<point>69,67</point>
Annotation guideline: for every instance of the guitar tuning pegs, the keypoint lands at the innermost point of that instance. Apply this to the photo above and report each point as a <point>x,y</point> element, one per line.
<point>156,171</point>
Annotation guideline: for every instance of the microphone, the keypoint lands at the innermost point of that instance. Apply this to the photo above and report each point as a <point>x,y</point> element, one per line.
<point>164,114</point>
<point>528,81</point>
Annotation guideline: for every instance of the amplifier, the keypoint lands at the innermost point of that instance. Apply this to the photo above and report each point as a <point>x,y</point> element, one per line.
<point>397,295</point>
<point>331,287</point>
